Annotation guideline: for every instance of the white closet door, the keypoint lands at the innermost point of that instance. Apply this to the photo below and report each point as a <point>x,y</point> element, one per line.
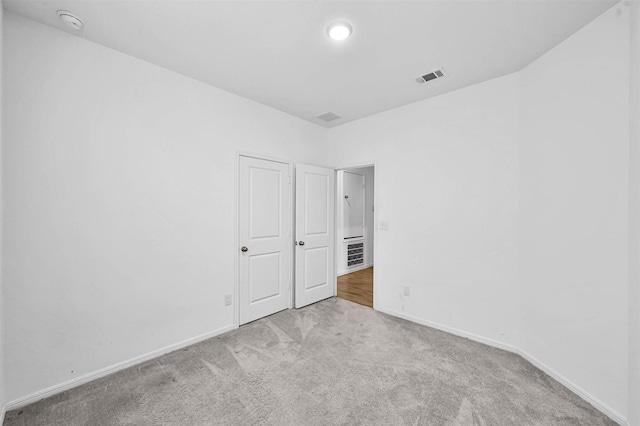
<point>315,195</point>
<point>264,238</point>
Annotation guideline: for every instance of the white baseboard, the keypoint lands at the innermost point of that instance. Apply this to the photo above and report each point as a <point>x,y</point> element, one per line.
<point>457,332</point>
<point>357,268</point>
<point>45,393</point>
<point>599,405</point>
<point>595,402</point>
<point>37,396</point>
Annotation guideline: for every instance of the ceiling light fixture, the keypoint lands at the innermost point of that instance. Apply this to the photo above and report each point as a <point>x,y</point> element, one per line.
<point>339,31</point>
<point>70,20</point>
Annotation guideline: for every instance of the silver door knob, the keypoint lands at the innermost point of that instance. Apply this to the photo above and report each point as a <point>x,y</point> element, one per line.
<point>244,249</point>
<point>301,243</point>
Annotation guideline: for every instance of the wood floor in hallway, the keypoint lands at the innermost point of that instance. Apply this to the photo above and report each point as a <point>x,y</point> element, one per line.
<point>357,287</point>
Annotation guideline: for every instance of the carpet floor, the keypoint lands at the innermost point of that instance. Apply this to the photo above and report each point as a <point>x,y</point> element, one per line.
<point>331,363</point>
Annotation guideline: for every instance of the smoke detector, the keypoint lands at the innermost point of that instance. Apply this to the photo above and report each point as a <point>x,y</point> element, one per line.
<point>328,116</point>
<point>439,73</point>
<point>70,20</point>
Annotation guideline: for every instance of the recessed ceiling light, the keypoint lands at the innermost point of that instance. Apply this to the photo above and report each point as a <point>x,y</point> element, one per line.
<point>339,31</point>
<point>70,20</point>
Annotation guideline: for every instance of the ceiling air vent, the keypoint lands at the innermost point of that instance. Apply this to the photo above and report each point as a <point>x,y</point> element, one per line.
<point>439,73</point>
<point>328,116</point>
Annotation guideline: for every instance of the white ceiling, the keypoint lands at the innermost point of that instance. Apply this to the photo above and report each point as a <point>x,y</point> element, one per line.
<point>277,52</point>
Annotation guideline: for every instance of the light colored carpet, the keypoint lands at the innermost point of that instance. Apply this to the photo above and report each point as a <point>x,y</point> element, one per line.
<point>332,363</point>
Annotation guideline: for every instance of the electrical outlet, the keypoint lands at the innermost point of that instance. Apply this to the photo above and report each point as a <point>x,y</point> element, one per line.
<point>384,225</point>
<point>227,299</point>
<point>406,290</point>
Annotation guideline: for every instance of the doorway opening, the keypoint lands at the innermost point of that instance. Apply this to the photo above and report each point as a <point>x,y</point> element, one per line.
<point>355,234</point>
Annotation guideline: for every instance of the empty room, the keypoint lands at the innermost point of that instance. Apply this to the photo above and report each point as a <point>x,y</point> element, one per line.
<point>320,212</point>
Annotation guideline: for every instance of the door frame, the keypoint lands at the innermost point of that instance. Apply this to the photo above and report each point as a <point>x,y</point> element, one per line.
<point>376,180</point>
<point>236,228</point>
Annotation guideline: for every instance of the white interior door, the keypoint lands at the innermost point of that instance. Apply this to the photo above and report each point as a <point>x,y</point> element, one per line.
<point>264,226</point>
<point>314,234</point>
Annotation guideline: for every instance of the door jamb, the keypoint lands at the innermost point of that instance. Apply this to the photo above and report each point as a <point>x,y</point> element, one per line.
<point>236,229</point>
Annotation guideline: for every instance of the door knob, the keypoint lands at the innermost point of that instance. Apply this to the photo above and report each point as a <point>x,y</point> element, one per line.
<point>301,243</point>
<point>244,249</point>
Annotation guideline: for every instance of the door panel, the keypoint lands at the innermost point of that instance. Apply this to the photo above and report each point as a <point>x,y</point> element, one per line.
<point>265,213</point>
<point>315,271</point>
<point>264,224</point>
<point>264,276</point>
<point>315,212</point>
<point>315,278</point>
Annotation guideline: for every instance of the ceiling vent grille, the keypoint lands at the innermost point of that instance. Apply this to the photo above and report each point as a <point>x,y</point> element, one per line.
<point>439,73</point>
<point>328,116</point>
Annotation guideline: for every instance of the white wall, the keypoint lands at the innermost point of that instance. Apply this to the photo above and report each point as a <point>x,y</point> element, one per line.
<point>508,206</point>
<point>119,203</point>
<point>2,340</point>
<point>573,161</point>
<point>119,217</point>
<point>352,208</point>
<point>447,183</point>
<point>634,218</point>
